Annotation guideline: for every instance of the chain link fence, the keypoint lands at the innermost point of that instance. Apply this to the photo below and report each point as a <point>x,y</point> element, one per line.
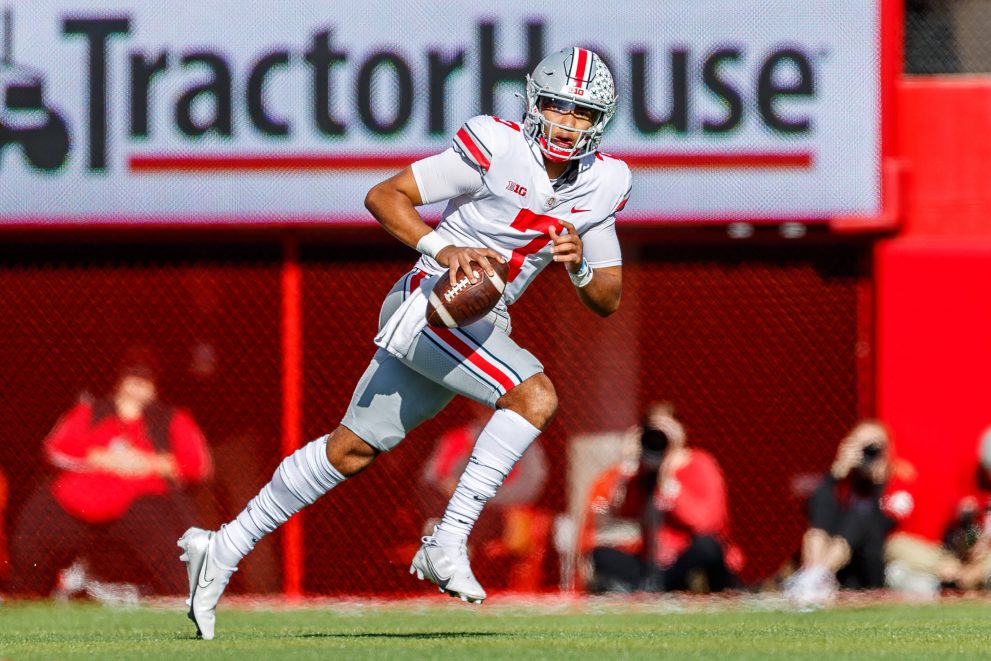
<point>947,36</point>
<point>71,313</point>
<point>761,350</point>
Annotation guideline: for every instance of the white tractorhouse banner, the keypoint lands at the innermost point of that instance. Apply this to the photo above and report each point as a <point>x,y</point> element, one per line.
<point>219,111</point>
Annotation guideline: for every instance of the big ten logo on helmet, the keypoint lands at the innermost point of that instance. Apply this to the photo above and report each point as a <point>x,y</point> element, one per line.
<point>326,86</point>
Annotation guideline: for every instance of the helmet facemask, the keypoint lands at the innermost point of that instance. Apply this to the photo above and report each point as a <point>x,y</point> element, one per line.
<point>573,81</point>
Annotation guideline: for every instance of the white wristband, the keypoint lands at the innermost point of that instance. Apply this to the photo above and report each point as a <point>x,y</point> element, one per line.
<point>432,243</point>
<point>584,275</point>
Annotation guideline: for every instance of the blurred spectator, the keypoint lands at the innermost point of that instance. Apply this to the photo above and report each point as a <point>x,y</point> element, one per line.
<point>931,548</point>
<point>516,531</point>
<point>844,545</point>
<point>601,526</point>
<point>120,463</point>
<point>678,496</point>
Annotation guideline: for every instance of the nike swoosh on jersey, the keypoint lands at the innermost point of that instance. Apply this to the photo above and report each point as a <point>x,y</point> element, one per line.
<point>577,210</point>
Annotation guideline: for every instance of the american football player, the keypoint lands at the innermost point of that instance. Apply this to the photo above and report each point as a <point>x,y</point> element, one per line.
<point>529,194</point>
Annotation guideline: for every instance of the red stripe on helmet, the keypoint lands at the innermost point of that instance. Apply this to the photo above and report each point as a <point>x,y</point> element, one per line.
<point>583,61</point>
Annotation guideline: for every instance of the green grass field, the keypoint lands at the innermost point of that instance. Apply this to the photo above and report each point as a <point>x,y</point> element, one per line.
<point>571,630</point>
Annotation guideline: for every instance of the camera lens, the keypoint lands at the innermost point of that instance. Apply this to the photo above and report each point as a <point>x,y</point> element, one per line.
<point>654,440</point>
<point>872,451</point>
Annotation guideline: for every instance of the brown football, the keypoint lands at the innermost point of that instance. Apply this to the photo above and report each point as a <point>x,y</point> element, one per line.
<point>464,303</point>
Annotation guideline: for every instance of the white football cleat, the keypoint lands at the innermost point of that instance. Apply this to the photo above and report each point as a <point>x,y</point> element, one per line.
<point>206,580</point>
<point>449,568</point>
<point>811,588</point>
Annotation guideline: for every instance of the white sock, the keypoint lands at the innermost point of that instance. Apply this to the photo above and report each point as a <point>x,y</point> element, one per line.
<point>500,445</point>
<point>300,479</point>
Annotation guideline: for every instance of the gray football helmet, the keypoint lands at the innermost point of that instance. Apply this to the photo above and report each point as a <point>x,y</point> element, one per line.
<point>574,80</point>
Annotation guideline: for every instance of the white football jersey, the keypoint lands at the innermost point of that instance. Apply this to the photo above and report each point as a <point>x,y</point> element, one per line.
<point>516,203</point>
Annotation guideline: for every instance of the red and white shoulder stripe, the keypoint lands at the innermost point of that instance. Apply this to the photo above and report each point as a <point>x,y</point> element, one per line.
<point>470,143</point>
<point>619,172</point>
<point>622,203</point>
<point>484,137</point>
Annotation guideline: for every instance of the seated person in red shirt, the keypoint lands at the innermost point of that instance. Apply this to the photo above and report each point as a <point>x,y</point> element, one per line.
<point>678,495</point>
<point>119,462</point>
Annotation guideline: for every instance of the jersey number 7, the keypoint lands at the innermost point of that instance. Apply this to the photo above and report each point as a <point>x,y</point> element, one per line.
<point>527,220</point>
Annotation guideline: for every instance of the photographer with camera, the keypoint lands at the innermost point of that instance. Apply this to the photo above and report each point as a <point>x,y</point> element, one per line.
<point>844,545</point>
<point>678,495</point>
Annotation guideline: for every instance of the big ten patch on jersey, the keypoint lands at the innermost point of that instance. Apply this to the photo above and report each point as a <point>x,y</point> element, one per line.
<point>505,158</point>
<point>519,180</point>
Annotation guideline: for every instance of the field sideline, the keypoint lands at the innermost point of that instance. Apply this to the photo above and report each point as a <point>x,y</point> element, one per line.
<point>431,629</point>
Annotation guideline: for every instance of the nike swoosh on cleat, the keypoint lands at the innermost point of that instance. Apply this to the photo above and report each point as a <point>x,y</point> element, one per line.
<point>577,210</point>
<point>202,580</point>
<point>441,580</point>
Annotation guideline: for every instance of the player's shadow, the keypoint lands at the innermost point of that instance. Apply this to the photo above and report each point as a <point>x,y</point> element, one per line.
<point>426,635</point>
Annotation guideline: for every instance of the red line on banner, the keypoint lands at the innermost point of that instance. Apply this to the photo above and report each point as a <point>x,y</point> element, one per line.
<point>270,162</point>
<point>309,162</point>
<point>717,161</point>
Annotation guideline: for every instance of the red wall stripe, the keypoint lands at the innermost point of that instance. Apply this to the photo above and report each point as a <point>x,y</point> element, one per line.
<point>292,406</point>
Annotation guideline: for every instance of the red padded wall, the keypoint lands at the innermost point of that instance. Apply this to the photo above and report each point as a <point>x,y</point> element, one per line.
<point>934,361</point>
<point>756,346</point>
<point>932,318</point>
<point>945,142</point>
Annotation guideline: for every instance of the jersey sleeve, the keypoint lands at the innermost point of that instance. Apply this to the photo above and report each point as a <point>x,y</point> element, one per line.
<point>446,175</point>
<point>627,179</point>
<point>624,200</point>
<point>600,244</point>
